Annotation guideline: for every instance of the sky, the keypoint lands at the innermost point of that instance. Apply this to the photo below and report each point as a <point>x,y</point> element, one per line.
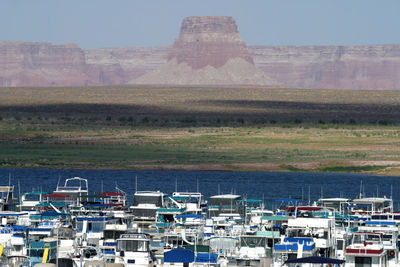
<point>124,23</point>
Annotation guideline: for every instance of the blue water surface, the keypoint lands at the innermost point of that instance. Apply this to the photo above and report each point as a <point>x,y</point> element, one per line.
<point>269,186</point>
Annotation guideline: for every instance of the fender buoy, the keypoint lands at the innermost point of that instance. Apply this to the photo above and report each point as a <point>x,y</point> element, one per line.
<point>392,253</point>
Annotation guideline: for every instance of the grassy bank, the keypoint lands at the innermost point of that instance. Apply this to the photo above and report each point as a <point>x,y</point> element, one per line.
<point>201,128</point>
<point>373,149</point>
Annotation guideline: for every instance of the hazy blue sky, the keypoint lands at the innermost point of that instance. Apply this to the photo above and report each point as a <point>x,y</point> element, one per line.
<point>118,23</point>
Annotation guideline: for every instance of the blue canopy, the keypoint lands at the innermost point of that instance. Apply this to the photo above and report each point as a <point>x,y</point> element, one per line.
<point>17,228</point>
<point>315,259</point>
<point>207,257</point>
<point>179,255</point>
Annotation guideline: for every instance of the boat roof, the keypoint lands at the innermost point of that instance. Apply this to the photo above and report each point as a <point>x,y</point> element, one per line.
<point>334,199</point>
<point>227,196</point>
<point>370,200</point>
<point>36,193</point>
<point>149,193</point>
<point>187,194</point>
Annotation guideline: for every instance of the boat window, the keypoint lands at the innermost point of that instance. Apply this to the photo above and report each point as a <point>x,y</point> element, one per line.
<point>133,245</point>
<point>144,212</point>
<point>36,253</point>
<point>156,200</point>
<point>340,244</point>
<point>97,227</point>
<point>110,234</point>
<point>79,226</point>
<point>362,261</point>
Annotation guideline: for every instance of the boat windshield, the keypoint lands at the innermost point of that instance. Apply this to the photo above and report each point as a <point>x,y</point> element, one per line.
<point>133,245</point>
<point>252,241</point>
<point>32,197</point>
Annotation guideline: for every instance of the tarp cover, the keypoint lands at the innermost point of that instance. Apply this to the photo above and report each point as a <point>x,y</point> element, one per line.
<point>179,255</point>
<point>207,257</point>
<point>315,259</point>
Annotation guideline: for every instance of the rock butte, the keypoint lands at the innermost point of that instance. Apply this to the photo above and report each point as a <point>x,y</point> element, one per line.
<point>208,41</point>
<point>209,51</point>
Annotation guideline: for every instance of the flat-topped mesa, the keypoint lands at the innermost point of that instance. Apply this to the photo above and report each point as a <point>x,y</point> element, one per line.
<point>210,40</point>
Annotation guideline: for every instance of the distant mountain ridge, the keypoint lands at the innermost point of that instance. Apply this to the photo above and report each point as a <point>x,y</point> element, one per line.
<point>320,67</point>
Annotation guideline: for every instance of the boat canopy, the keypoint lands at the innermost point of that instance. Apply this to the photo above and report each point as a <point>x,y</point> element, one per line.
<point>179,255</point>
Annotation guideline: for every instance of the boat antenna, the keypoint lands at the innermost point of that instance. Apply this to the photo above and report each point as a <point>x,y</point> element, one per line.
<point>377,190</point>
<point>361,189</point>
<point>309,195</point>
<point>322,191</point>
<point>302,194</point>
<point>9,179</point>
<point>176,184</point>
<point>197,185</point>
<point>263,204</point>
<point>219,189</point>
<point>391,191</point>
<point>19,192</point>
<point>135,183</point>
<point>102,186</point>
<point>58,182</point>
<point>364,190</point>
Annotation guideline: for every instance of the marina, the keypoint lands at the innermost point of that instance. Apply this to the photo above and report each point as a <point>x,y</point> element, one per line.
<point>77,224</point>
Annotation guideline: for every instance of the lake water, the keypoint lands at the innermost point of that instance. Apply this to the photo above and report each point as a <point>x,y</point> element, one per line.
<point>269,186</point>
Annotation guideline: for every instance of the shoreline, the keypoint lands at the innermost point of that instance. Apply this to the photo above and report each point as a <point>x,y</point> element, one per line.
<point>384,168</point>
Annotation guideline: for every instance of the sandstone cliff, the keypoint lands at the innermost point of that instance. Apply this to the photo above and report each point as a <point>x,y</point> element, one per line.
<point>209,51</point>
<point>45,64</point>
<point>331,67</point>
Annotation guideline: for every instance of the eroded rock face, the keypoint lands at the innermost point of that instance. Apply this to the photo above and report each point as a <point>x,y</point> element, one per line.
<point>208,41</point>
